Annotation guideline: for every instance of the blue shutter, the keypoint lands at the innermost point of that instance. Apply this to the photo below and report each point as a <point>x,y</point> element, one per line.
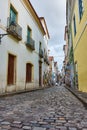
<point>74,20</point>
<point>80,9</point>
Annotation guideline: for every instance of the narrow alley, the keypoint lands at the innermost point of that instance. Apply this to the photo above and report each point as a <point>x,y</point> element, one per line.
<point>52,108</point>
<point>43,68</point>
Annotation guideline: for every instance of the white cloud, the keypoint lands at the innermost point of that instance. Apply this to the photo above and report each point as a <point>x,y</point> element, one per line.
<point>54,13</point>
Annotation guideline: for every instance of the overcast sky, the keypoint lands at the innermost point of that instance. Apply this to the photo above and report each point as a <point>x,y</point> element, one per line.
<point>54,13</point>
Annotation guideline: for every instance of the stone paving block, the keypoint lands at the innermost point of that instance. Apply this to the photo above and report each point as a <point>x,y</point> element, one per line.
<point>15,129</point>
<point>1,120</point>
<point>26,124</point>
<point>6,127</point>
<point>47,126</point>
<point>16,125</point>
<point>60,121</point>
<point>49,120</point>
<point>3,129</point>
<point>33,122</point>
<point>43,123</point>
<point>26,128</point>
<point>39,128</point>
<point>79,126</point>
<point>61,127</point>
<point>70,125</point>
<point>49,109</point>
<point>53,118</point>
<point>53,129</point>
<point>72,121</point>
<point>16,122</point>
<point>61,118</point>
<point>5,123</point>
<point>84,124</point>
<point>35,125</point>
<point>72,128</point>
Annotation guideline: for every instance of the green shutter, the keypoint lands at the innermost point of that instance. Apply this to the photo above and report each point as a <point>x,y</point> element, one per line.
<point>13,15</point>
<point>28,34</point>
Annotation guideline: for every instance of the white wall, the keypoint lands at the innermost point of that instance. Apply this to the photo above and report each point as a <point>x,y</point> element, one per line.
<point>18,48</point>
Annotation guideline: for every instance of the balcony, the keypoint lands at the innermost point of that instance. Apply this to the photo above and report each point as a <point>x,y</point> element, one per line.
<point>14,29</point>
<point>30,43</point>
<point>46,60</point>
<point>41,53</point>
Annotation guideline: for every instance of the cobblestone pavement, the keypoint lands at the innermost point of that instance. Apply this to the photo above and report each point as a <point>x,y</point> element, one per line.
<point>49,109</point>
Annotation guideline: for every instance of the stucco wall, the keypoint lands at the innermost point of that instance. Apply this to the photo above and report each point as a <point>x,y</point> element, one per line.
<point>80,45</point>
<point>18,48</point>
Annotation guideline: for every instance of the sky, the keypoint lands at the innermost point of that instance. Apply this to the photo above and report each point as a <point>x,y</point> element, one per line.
<point>54,13</point>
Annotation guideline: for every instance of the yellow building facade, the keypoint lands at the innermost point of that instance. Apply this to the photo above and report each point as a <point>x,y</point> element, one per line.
<point>79,38</point>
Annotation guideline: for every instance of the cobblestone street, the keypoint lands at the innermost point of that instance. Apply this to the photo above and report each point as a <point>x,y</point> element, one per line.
<point>49,109</point>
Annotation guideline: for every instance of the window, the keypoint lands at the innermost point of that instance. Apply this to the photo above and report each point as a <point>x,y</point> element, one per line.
<point>13,14</point>
<point>28,72</point>
<point>28,34</point>
<point>80,8</point>
<point>40,45</point>
<point>74,23</point>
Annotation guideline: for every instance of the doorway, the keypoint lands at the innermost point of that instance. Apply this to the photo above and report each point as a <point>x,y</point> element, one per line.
<point>40,74</point>
<point>11,76</point>
<point>28,73</point>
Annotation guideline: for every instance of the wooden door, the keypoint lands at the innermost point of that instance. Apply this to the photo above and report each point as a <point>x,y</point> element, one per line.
<point>40,74</point>
<point>11,70</point>
<point>28,73</point>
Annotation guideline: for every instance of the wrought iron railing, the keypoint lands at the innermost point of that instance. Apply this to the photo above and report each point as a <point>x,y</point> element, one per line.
<point>46,59</point>
<point>41,53</point>
<point>14,29</point>
<point>30,43</point>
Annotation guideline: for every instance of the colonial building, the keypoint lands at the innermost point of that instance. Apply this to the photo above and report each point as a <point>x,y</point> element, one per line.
<point>51,66</point>
<point>53,69</point>
<point>68,48</point>
<point>23,48</point>
<point>78,26</point>
<point>56,71</point>
<point>65,49</point>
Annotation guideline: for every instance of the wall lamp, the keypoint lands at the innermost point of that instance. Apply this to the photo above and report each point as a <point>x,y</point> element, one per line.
<point>2,35</point>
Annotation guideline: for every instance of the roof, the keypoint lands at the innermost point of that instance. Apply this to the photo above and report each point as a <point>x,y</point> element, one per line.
<point>42,18</point>
<point>34,14</point>
<point>51,58</point>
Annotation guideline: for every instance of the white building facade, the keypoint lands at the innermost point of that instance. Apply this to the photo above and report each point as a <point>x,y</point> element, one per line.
<point>22,51</point>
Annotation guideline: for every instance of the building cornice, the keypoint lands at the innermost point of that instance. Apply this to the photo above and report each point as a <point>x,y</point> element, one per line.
<point>34,14</point>
<point>42,18</point>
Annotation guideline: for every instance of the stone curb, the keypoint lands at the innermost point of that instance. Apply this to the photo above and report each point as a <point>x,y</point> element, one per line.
<point>24,91</point>
<point>84,101</point>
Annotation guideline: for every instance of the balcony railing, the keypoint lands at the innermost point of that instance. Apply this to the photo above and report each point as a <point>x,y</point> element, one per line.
<point>46,60</point>
<point>30,43</point>
<point>14,29</point>
<point>41,53</point>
